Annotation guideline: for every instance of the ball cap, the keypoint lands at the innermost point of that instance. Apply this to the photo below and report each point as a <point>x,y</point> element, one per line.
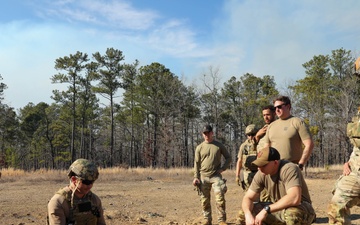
<point>266,155</point>
<point>207,128</point>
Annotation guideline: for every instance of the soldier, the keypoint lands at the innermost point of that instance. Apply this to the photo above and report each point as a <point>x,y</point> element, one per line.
<point>268,114</point>
<point>290,198</point>
<point>346,193</point>
<point>207,174</point>
<point>76,204</point>
<point>289,134</point>
<point>247,154</point>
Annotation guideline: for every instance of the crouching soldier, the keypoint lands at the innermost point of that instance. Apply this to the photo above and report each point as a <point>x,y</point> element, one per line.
<point>76,204</point>
<point>289,194</point>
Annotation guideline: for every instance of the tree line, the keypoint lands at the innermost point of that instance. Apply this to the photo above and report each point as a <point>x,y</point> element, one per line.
<point>149,118</point>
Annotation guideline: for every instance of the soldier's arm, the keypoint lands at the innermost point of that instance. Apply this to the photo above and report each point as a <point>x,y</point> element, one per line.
<point>56,212</point>
<point>197,163</point>
<point>248,205</point>
<point>227,157</point>
<point>261,133</point>
<point>292,198</point>
<point>309,145</point>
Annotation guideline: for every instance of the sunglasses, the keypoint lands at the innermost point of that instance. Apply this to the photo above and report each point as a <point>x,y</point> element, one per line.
<point>87,182</point>
<point>280,106</point>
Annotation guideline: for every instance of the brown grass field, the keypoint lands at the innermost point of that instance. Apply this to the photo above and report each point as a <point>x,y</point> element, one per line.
<point>141,196</point>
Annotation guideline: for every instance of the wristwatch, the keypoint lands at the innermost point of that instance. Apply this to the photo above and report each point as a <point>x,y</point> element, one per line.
<point>301,166</point>
<point>267,209</point>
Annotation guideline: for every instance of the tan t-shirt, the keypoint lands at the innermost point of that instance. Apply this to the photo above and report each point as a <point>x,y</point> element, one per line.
<point>277,185</point>
<point>286,136</point>
<point>208,159</point>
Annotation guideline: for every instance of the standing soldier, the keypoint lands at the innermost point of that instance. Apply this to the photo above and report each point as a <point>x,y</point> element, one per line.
<point>207,174</point>
<point>346,193</point>
<point>76,204</point>
<point>289,134</point>
<point>247,154</point>
<point>268,114</point>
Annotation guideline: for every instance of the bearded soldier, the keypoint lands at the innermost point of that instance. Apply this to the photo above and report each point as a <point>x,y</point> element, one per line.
<point>76,204</point>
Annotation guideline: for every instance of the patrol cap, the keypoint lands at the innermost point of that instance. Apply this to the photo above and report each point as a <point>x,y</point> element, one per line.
<point>207,128</point>
<point>266,155</point>
<point>84,169</point>
<point>250,129</point>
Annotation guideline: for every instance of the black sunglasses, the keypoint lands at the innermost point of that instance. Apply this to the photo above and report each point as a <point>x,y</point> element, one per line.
<point>87,182</point>
<point>280,106</point>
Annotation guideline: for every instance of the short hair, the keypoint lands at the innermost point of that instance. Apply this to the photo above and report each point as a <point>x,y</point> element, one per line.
<point>284,99</point>
<point>270,107</point>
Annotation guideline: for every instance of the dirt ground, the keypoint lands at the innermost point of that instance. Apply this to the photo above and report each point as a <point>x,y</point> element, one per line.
<point>165,197</point>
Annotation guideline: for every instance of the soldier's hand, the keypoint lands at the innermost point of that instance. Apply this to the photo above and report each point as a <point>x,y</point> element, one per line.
<point>237,180</point>
<point>346,169</point>
<point>243,185</point>
<point>196,182</point>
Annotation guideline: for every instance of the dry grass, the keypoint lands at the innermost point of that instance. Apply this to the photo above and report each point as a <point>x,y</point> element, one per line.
<point>120,173</point>
<point>115,173</point>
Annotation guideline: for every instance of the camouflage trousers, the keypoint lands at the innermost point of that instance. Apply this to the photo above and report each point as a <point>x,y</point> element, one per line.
<point>346,194</point>
<point>303,214</point>
<point>218,185</point>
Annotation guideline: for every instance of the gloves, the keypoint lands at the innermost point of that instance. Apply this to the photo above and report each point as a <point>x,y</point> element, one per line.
<point>243,185</point>
<point>237,180</point>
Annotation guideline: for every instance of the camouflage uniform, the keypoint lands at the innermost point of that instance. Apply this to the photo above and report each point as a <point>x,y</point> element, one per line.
<point>248,153</point>
<point>207,169</point>
<point>219,187</point>
<point>66,208</point>
<point>297,215</point>
<point>346,192</point>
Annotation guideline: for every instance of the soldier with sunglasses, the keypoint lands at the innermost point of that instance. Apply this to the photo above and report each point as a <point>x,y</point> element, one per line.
<point>76,204</point>
<point>289,134</point>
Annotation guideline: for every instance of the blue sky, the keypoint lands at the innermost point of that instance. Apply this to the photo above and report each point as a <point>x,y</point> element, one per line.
<point>236,37</point>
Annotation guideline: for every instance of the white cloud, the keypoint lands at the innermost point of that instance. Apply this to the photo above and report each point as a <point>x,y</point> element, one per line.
<point>107,14</point>
<point>260,37</point>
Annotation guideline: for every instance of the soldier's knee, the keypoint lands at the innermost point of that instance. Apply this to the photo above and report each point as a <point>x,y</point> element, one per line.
<point>294,215</point>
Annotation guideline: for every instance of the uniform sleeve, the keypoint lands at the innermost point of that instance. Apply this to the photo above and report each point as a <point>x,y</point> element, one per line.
<point>56,212</point>
<point>240,153</point>
<point>303,130</point>
<point>227,157</point>
<point>197,162</point>
<point>291,176</point>
<point>101,219</point>
<point>257,184</point>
